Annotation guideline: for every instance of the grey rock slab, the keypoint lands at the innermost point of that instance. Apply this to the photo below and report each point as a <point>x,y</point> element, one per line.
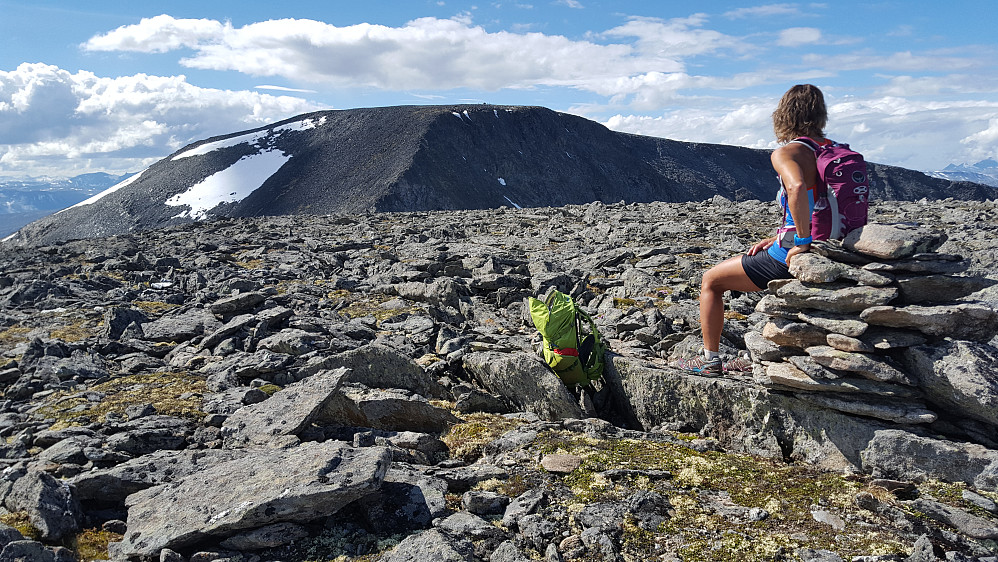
<point>460,479</point>
<point>959,376</point>
<point>407,500</point>
<point>525,381</point>
<point>464,524</point>
<point>908,412</point>
<point>149,434</point>
<point>968,524</point>
<point>987,504</point>
<point>287,412</point>
<point>835,297</point>
<point>866,365</point>
<point>789,376</point>
<point>793,334</point>
<point>522,505</point>
<point>26,551</point>
<point>739,414</point>
<point>508,552</point>
<point>9,534</point>
<point>181,326</point>
<point>761,349</point>
<point>884,339</point>
<point>893,241</point>
<point>846,343</point>
<point>902,455</point>
<point>484,503</point>
<point>268,536</point>
<point>116,483</point>
<point>815,268</point>
<point>241,302</point>
<point>434,545</point>
<point>378,366</point>
<point>234,325</point>
<point>292,341</point>
<point>927,264</point>
<point>52,506</point>
<point>939,288</point>
<point>835,323</point>
<point>264,487</point>
<point>964,321</point>
<point>390,409</point>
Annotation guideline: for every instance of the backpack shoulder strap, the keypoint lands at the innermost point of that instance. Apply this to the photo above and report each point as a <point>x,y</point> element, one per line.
<point>806,141</point>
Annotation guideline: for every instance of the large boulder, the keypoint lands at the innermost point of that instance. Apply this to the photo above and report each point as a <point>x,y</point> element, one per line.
<point>113,485</point>
<point>264,487</point>
<point>902,455</point>
<point>52,506</point>
<point>965,321</point>
<point>742,416</point>
<point>893,241</point>
<point>390,409</point>
<point>960,376</point>
<point>277,420</point>
<point>525,381</point>
<point>377,366</point>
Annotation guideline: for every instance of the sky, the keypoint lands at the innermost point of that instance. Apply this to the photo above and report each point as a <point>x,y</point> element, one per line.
<point>102,86</point>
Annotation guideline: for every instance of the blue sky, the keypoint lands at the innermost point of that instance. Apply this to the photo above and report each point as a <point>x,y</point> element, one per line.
<point>112,86</point>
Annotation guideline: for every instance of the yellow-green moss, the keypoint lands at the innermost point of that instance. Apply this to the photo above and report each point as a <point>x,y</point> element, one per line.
<point>466,440</point>
<point>91,544</point>
<point>77,330</point>
<point>14,335</point>
<point>164,390</point>
<point>154,308</point>
<point>786,492</point>
<point>20,521</point>
<point>270,389</point>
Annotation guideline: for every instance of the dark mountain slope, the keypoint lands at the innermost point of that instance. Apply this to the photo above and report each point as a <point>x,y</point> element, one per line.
<point>412,158</point>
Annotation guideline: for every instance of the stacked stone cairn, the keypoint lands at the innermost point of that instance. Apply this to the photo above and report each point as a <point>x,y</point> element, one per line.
<point>882,325</point>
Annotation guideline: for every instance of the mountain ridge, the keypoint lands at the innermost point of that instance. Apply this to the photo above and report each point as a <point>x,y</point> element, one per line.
<point>418,158</point>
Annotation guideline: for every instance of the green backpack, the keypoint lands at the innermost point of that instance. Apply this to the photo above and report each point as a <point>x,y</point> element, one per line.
<point>576,358</point>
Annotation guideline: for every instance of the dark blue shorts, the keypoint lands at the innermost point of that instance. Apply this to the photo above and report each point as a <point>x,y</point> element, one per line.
<point>763,268</point>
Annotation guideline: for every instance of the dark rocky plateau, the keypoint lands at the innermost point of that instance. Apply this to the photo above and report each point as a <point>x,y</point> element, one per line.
<point>366,387</point>
<point>419,158</point>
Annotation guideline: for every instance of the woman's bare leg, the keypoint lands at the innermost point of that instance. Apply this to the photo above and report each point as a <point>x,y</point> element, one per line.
<point>729,275</point>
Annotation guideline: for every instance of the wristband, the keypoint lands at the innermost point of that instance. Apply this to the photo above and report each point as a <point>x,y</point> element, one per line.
<point>802,241</point>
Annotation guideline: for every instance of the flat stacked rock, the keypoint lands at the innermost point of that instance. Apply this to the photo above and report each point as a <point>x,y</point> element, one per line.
<point>881,325</point>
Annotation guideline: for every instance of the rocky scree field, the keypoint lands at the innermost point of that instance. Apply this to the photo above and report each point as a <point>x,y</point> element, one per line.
<point>365,387</point>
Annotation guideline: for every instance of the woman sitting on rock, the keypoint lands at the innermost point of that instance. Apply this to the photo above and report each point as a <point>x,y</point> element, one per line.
<point>801,113</point>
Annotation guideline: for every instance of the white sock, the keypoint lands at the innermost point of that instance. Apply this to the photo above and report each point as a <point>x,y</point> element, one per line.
<point>711,354</point>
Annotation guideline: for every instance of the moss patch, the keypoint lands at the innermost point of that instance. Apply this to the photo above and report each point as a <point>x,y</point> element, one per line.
<point>172,394</point>
<point>154,308</point>
<point>14,335</point>
<point>695,532</point>
<point>91,544</point>
<point>20,521</point>
<point>467,440</point>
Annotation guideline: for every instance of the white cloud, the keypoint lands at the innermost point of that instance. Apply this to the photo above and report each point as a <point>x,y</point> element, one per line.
<point>922,135</point>
<point>570,3</point>
<point>56,122</point>
<point>426,53</point>
<point>795,36</point>
<point>283,89</point>
<point>768,10</point>
<point>158,35</point>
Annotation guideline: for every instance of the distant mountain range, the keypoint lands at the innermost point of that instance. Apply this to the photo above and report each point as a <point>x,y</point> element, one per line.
<point>985,171</point>
<point>417,158</point>
<point>25,200</point>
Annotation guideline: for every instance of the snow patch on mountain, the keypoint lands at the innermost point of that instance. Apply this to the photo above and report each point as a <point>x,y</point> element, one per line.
<point>251,138</point>
<point>230,185</point>
<point>107,191</point>
<point>985,171</point>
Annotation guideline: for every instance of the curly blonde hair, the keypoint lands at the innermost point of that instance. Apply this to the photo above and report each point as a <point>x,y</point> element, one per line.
<point>801,113</point>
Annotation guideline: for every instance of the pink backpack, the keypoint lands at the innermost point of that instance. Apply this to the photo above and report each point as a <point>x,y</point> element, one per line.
<point>841,198</point>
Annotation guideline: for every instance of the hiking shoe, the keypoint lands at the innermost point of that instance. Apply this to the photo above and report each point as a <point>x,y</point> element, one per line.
<point>740,364</point>
<point>701,365</point>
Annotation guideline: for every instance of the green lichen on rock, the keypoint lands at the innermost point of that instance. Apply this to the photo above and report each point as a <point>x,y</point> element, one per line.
<point>91,544</point>
<point>20,521</point>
